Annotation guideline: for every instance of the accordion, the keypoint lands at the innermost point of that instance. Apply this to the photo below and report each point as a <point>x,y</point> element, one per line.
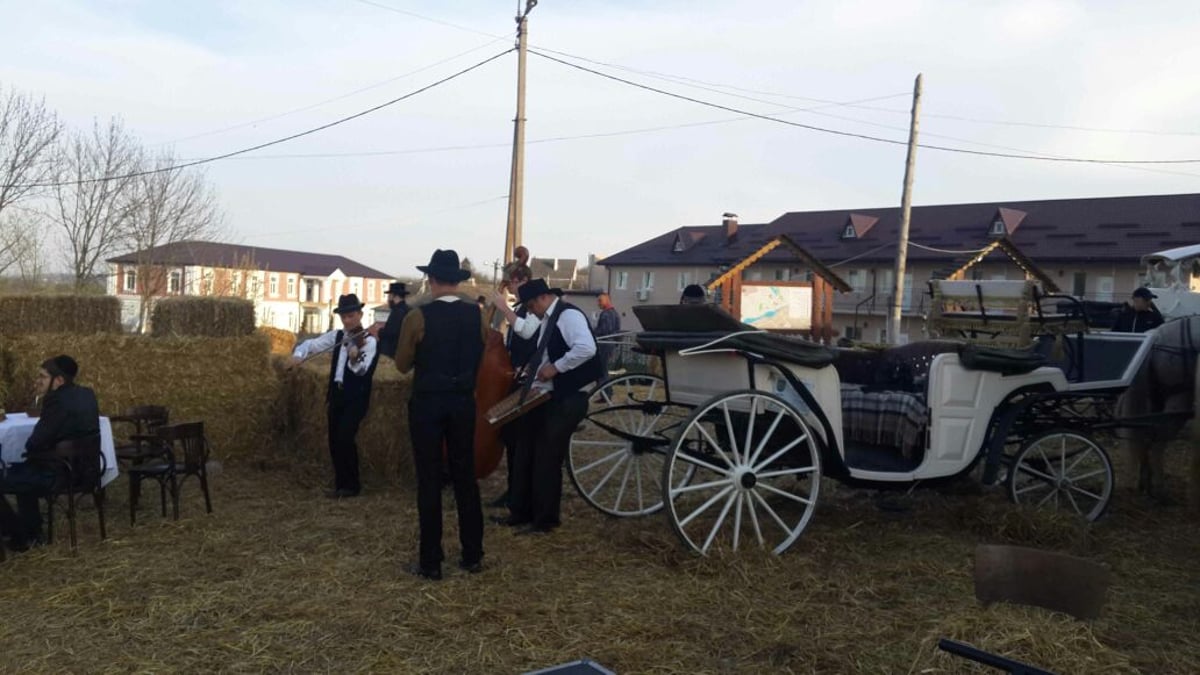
<point>511,406</point>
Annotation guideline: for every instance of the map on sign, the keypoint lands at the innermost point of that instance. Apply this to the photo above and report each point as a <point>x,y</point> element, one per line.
<point>777,307</point>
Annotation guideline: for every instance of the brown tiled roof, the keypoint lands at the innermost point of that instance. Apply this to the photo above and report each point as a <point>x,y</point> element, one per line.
<point>210,254</point>
<point>1117,229</point>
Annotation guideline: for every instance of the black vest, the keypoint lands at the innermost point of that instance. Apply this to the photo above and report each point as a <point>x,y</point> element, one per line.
<point>389,335</point>
<point>447,358</point>
<point>587,372</point>
<point>520,350</point>
<point>356,387</point>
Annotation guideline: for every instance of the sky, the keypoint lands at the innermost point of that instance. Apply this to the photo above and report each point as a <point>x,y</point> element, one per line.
<point>209,77</point>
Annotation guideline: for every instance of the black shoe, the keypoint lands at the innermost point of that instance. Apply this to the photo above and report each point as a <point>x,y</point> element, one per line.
<point>509,521</point>
<point>434,574</point>
<point>472,568</point>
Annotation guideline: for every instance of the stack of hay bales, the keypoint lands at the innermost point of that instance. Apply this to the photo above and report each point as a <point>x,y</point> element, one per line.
<point>83,314</point>
<point>202,317</point>
<point>227,383</point>
<point>282,341</point>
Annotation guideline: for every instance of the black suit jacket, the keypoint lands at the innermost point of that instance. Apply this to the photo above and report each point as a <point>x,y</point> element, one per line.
<point>389,335</point>
<point>68,412</point>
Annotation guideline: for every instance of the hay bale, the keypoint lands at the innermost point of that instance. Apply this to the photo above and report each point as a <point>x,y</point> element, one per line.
<point>384,447</point>
<point>202,317</point>
<point>80,314</point>
<point>226,382</point>
<point>282,341</point>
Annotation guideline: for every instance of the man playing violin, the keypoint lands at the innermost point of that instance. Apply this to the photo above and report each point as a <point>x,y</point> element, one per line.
<point>351,369</point>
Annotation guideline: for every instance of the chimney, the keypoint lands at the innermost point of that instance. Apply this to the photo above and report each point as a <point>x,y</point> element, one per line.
<point>729,221</point>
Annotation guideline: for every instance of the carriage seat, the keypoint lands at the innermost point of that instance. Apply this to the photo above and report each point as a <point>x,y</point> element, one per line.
<point>902,368</point>
<point>791,350</point>
<point>1004,361</point>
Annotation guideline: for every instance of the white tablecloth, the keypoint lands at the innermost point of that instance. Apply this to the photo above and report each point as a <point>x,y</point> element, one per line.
<point>18,427</point>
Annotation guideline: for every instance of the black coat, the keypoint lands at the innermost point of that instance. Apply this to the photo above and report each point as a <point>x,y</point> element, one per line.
<point>1129,320</point>
<point>68,412</point>
<point>389,335</point>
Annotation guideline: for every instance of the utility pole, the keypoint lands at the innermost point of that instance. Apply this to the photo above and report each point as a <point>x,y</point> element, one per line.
<point>905,216</point>
<point>516,185</point>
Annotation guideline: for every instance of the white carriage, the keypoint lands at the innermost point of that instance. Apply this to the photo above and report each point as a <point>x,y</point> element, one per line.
<point>733,439</point>
<point>1174,276</point>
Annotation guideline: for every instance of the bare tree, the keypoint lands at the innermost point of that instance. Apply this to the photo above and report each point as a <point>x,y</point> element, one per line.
<point>28,133</point>
<point>95,195</point>
<point>170,206</point>
<point>21,236</point>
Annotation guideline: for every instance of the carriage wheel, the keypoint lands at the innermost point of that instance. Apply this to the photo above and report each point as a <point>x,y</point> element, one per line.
<point>757,474</point>
<point>616,454</point>
<point>1062,470</point>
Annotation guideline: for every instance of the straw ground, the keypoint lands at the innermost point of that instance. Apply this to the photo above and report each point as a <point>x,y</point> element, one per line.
<point>280,580</point>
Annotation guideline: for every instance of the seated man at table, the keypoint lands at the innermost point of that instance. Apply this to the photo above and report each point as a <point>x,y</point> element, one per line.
<point>68,411</point>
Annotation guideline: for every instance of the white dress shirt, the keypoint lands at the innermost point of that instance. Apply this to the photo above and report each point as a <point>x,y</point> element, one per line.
<point>526,326</point>
<point>581,346</point>
<point>326,342</point>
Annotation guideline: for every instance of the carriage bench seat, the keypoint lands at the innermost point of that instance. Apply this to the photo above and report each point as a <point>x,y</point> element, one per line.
<point>999,360</point>
<point>768,345</point>
<point>903,368</point>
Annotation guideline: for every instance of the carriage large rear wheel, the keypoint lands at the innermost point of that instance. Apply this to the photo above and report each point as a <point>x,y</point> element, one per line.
<point>1062,470</point>
<point>757,474</point>
<point>616,455</point>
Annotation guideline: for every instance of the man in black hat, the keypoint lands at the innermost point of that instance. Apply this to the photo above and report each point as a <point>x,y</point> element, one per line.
<point>389,335</point>
<point>442,342</point>
<point>351,368</point>
<point>69,411</point>
<point>566,361</point>
<point>1139,314</point>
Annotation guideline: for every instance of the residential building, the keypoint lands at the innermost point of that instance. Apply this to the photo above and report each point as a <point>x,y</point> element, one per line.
<point>1090,247</point>
<point>293,290</point>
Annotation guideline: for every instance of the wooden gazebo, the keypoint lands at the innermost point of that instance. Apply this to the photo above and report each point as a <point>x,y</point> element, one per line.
<point>817,325</point>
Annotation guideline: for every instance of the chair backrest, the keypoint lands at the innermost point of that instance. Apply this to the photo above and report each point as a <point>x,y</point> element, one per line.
<point>188,437</point>
<point>151,416</point>
<point>81,464</point>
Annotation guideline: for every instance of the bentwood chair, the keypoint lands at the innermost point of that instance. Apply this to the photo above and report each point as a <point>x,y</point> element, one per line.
<point>78,466</point>
<point>145,420</point>
<point>180,450</point>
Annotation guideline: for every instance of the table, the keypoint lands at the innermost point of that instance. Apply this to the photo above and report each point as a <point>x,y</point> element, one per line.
<point>18,427</point>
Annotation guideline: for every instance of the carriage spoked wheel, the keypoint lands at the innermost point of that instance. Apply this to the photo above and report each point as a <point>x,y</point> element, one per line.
<point>757,473</point>
<point>1062,470</point>
<point>616,455</point>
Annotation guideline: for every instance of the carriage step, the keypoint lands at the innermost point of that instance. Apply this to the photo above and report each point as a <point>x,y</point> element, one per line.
<point>866,457</point>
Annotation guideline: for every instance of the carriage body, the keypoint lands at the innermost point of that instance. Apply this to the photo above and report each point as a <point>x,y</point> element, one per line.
<point>742,425</point>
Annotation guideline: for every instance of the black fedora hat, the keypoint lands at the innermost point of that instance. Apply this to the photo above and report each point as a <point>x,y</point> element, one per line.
<point>535,288</point>
<point>444,266</point>
<point>348,303</point>
<point>397,288</point>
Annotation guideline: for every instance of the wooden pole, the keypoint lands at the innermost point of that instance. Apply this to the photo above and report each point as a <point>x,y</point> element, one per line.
<point>910,162</point>
<point>516,184</point>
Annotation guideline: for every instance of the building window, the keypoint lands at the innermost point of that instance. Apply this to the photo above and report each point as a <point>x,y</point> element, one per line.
<point>354,287</point>
<point>852,333</point>
<point>685,278</point>
<point>206,286</point>
<point>291,286</point>
<point>237,288</point>
<point>174,281</point>
<point>622,280</point>
<point>783,275</point>
<point>273,289</point>
<point>857,280</point>
<point>849,232</point>
<point>998,228</point>
<point>255,286</point>
<point>130,281</point>
<point>647,279</point>
<point>1104,289</point>
<point>1079,285</point>
<point>883,336</point>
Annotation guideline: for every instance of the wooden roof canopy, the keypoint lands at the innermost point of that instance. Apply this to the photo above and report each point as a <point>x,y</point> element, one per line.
<point>820,269</point>
<point>1016,256</point>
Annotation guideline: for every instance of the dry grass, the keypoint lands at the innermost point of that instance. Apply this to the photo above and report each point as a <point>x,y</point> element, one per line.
<point>280,580</point>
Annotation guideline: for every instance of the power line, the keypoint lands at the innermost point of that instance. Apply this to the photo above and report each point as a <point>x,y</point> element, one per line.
<point>430,19</point>
<point>877,139</point>
<point>410,221</point>
<point>704,84</point>
<point>277,141</point>
<point>327,101</point>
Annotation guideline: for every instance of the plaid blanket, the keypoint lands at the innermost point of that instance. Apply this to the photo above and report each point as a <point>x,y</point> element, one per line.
<point>889,418</point>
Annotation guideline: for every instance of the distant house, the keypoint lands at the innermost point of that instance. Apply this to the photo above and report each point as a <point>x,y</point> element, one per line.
<point>293,290</point>
<point>1089,247</point>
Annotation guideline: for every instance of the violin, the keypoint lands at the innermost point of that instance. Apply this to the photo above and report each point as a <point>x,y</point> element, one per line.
<point>357,338</point>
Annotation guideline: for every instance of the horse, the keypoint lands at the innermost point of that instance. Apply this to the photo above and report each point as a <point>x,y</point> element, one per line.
<point>1168,381</point>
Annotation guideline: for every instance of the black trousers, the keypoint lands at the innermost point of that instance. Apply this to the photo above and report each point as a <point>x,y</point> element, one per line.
<point>346,413</point>
<point>536,472</point>
<point>437,420</point>
<point>26,481</point>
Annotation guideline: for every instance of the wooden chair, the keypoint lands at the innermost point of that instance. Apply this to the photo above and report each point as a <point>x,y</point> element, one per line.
<point>173,443</point>
<point>145,420</point>
<point>79,465</point>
